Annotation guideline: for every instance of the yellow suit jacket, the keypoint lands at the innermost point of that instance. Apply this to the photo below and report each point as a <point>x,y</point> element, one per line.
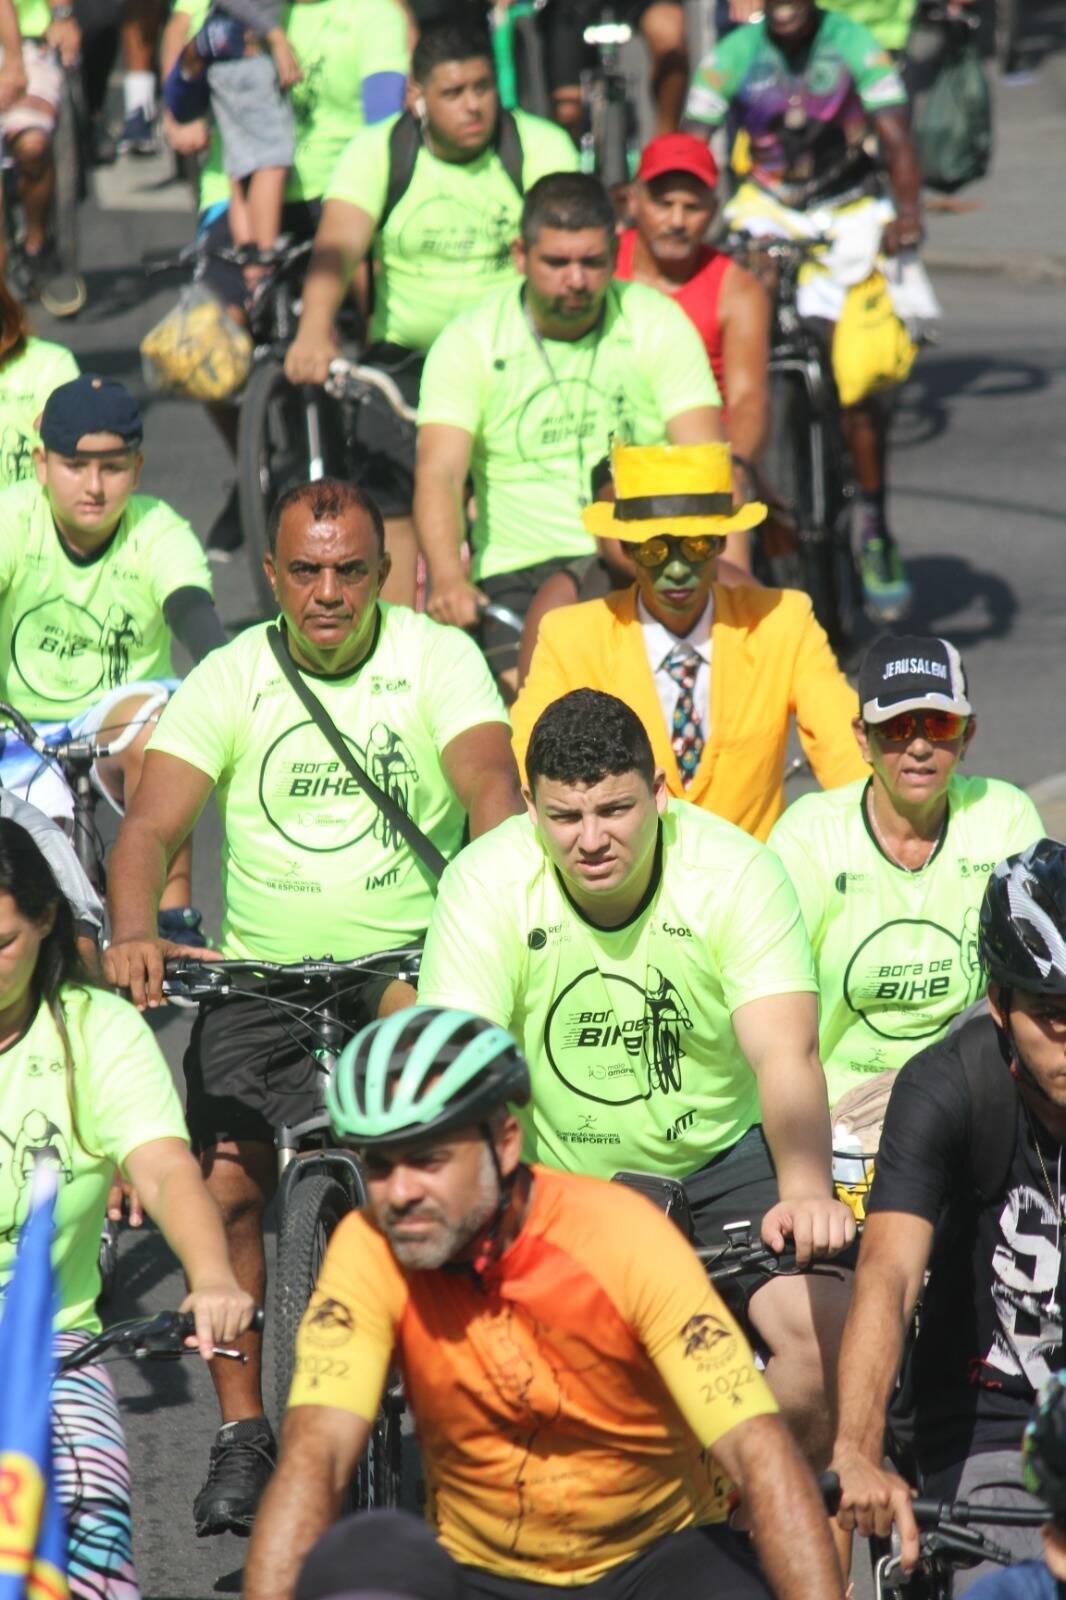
<point>770,661</point>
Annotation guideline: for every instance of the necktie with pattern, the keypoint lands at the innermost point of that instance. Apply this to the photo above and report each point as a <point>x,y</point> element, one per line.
<point>686,734</point>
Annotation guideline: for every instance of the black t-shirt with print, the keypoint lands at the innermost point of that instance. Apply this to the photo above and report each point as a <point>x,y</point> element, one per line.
<point>990,1328</point>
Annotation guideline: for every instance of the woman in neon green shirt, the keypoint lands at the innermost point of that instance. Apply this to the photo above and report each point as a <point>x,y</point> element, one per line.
<point>29,370</point>
<point>83,1087</point>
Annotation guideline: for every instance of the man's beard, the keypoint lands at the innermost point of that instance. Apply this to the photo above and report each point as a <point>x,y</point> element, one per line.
<point>447,1240</point>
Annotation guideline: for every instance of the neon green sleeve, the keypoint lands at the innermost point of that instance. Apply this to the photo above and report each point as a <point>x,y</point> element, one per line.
<point>457,689</point>
<point>196,723</point>
<point>545,148</point>
<point>361,176</point>
<point>792,838</point>
<point>129,1098</point>
<point>762,945</point>
<point>454,378</point>
<point>719,76</point>
<point>686,380</point>
<point>472,958</point>
<point>177,556</point>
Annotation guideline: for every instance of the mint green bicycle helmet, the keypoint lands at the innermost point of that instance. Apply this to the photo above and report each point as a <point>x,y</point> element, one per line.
<point>424,1070</point>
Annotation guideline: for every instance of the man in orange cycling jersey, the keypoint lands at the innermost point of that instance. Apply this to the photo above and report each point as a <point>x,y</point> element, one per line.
<point>582,1396</point>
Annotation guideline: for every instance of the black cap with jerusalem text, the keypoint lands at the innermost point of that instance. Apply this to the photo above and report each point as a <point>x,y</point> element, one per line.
<point>914,672</point>
<point>89,404</point>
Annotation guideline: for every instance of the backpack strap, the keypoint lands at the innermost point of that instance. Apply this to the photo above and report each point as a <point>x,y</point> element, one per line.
<point>405,141</point>
<point>994,1110</point>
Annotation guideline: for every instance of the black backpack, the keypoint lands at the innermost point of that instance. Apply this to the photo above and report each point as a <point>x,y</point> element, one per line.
<point>405,141</point>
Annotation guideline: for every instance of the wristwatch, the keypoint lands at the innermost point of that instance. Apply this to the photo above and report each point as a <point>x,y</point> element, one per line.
<point>63,13</point>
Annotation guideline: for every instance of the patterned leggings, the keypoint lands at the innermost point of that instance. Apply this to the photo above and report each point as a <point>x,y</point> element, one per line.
<point>93,1481</point>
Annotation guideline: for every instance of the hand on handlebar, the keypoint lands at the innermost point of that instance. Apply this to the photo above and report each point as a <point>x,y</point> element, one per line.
<point>818,1226</point>
<point>457,603</point>
<point>65,36</point>
<point>308,357</point>
<point>123,1193</point>
<point>872,1500</point>
<point>902,233</point>
<point>137,965</point>
<point>222,1312</point>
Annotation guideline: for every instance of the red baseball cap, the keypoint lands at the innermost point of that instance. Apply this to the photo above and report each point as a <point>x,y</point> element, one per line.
<point>678,152</point>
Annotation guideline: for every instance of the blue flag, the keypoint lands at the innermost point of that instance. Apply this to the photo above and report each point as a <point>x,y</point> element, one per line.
<point>33,1535</point>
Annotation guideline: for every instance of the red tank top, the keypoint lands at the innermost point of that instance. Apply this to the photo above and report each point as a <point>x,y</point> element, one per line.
<point>698,298</point>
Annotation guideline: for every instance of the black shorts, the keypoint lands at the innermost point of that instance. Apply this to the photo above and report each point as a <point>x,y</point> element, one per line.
<point>695,1564</point>
<point>516,591</point>
<point>299,219</point>
<point>381,445</point>
<point>249,1066</point>
<point>563,24</point>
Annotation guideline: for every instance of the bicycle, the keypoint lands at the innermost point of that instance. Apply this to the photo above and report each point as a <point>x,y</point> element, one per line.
<point>807,468</point>
<point>160,1337</point>
<point>319,1182</point>
<point>63,292</point>
<point>610,138</point>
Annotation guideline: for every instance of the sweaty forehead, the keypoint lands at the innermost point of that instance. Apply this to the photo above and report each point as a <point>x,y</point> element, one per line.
<point>333,539</point>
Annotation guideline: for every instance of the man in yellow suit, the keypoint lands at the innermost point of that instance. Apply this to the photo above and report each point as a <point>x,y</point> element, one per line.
<point>714,674</point>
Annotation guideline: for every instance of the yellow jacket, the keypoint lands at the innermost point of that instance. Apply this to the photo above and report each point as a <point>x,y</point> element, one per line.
<point>770,660</point>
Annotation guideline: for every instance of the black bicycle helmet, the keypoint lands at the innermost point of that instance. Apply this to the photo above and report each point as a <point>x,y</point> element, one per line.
<point>1044,1448</point>
<point>424,1070</point>
<point>1023,921</point>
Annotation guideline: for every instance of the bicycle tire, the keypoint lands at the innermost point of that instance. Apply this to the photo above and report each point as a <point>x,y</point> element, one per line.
<point>271,458</point>
<point>317,1204</point>
<point>67,160</point>
<point>1008,30</point>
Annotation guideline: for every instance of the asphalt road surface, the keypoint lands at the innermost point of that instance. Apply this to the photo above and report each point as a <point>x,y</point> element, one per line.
<point>978,472</point>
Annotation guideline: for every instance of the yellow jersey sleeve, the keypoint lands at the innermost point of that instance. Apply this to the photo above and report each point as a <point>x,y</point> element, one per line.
<point>345,1341</point>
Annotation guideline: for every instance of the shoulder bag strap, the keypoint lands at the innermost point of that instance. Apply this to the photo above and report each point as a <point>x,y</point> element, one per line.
<point>424,849</point>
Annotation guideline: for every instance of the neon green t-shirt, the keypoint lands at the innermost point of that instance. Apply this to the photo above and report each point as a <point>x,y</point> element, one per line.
<point>70,630</point>
<point>25,384</point>
<point>543,416</point>
<point>627,1032</point>
<point>35,18</point>
<point>338,43</point>
<point>124,1097</point>
<point>309,865</point>
<point>895,951</point>
<point>888,20</point>
<point>446,243</point>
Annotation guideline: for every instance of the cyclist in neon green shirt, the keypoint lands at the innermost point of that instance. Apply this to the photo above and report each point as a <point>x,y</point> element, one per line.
<point>310,865</point>
<point>651,960</point>
<point>890,871</point>
<point>436,246</point>
<point>30,369</point>
<point>526,392</point>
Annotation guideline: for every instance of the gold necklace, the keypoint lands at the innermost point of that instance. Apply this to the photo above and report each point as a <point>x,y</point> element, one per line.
<point>887,848</point>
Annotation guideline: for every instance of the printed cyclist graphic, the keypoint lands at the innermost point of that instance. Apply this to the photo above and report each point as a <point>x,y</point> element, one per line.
<point>665,1015</point>
<point>117,635</point>
<point>392,768</point>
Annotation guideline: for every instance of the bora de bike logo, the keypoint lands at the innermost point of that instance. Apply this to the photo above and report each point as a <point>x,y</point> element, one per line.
<point>612,1041</point>
<point>62,650</point>
<point>450,227</point>
<point>907,976</point>
<point>314,802</point>
<point>559,418</point>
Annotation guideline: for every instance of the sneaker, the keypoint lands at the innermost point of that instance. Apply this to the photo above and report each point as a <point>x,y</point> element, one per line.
<point>886,587</point>
<point>225,535</point>
<point>103,147</point>
<point>243,1456</point>
<point>181,924</point>
<point>138,135</point>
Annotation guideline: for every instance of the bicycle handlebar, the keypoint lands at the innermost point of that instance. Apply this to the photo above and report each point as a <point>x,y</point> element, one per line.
<point>202,979</point>
<point>158,1338</point>
<point>349,380</point>
<point>76,750</point>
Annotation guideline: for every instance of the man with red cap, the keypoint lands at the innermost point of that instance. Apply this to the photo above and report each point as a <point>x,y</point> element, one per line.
<point>673,206</point>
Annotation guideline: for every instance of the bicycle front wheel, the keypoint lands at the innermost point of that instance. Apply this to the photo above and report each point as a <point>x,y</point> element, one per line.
<point>316,1205</point>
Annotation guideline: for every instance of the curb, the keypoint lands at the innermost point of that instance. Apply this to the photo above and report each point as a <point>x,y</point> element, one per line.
<point>1017,266</point>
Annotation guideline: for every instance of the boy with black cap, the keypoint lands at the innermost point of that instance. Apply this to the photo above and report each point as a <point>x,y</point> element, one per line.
<point>94,581</point>
<point>890,870</point>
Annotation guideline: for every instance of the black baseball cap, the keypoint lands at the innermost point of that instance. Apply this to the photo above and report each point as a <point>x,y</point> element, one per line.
<point>379,1553</point>
<point>912,672</point>
<point>89,404</point>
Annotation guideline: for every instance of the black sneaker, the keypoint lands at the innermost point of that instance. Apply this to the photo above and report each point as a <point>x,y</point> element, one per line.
<point>243,1456</point>
<point>225,536</point>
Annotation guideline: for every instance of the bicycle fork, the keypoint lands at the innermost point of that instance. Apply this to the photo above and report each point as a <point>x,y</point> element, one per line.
<point>316,460</point>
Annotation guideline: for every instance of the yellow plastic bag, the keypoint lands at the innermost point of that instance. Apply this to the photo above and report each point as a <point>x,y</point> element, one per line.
<point>872,349</point>
<point>197,350</point>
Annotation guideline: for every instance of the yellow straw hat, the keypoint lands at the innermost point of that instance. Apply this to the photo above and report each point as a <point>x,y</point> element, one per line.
<point>683,489</point>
